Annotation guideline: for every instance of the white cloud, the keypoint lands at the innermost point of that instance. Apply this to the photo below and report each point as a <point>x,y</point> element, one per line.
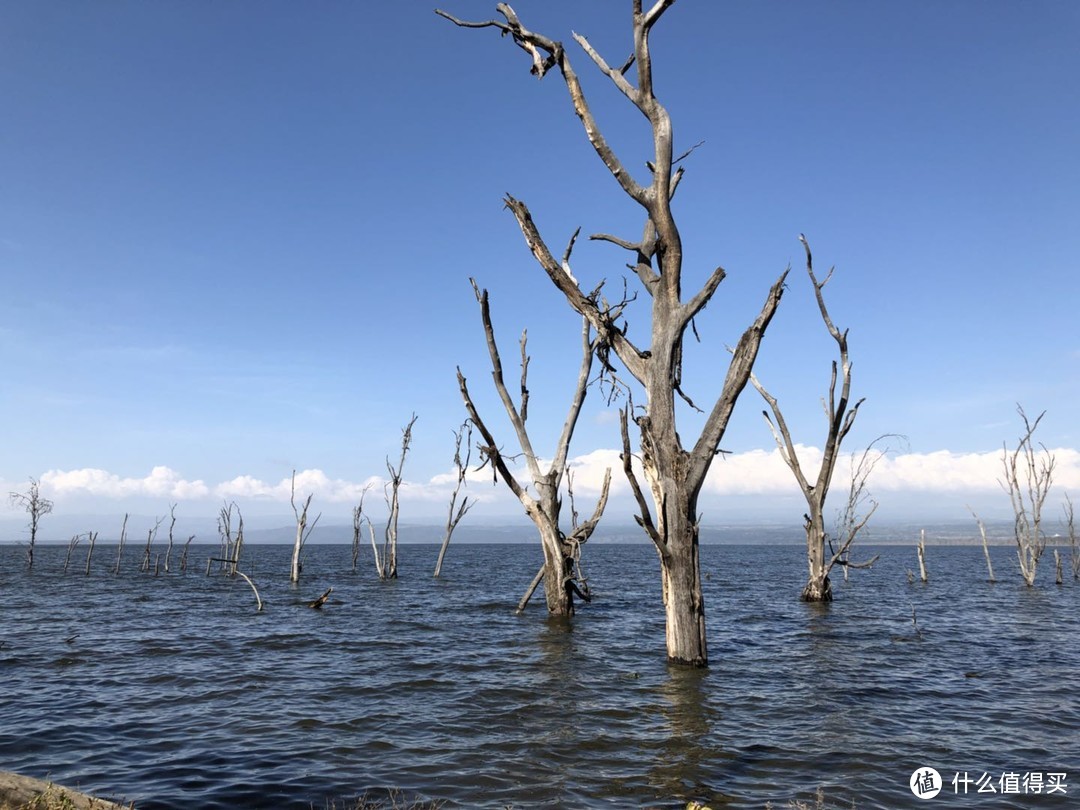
<point>755,472</point>
<point>758,472</point>
<point>308,482</point>
<point>162,482</point>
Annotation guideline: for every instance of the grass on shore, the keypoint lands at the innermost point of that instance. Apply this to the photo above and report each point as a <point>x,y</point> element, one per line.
<point>56,798</point>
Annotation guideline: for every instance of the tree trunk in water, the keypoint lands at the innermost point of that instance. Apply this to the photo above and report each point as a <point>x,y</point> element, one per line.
<point>680,576</point>
<point>818,588</point>
<point>684,603</point>
<point>557,593</point>
<point>675,533</point>
<point>294,568</point>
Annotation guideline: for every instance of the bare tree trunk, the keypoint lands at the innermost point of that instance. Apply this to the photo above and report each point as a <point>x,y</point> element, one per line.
<point>559,597</point>
<point>302,531</point>
<point>840,418</point>
<point>921,547</point>
<point>380,566</point>
<point>457,511</point>
<point>358,514</point>
<point>150,535</point>
<point>71,547</point>
<point>359,519</point>
<point>561,552</point>
<point>985,545</point>
<point>393,503</point>
<point>184,553</point>
<point>35,506</point>
<point>120,549</point>
<point>684,603</point>
<point>238,543</point>
<point>172,525</point>
<point>1070,526</point>
<point>258,599</point>
<point>1029,475</point>
<point>818,588</point>
<point>532,588</point>
<point>92,537</point>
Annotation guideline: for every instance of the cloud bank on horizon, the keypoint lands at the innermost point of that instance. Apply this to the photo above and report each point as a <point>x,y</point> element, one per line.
<point>958,476</point>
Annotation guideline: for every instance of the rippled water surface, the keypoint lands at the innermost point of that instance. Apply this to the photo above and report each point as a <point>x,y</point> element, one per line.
<point>174,692</point>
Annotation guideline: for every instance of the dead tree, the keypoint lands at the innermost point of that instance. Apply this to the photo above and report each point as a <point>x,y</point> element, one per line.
<point>359,519</point>
<point>150,535</point>
<point>920,549</point>
<point>358,526</point>
<point>303,531</point>
<point>985,545</point>
<point>184,553</point>
<point>839,418</point>
<point>1029,473</point>
<point>558,572</point>
<point>36,507</point>
<point>457,510</point>
<point>258,599</point>
<point>673,474</point>
<point>231,544</point>
<point>91,538</point>
<point>72,543</point>
<point>858,509</point>
<point>120,545</point>
<point>1070,527</point>
<point>387,567</point>
<point>172,525</point>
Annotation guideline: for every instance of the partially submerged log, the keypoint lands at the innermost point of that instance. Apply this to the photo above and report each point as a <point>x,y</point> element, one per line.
<point>19,791</point>
<point>318,603</point>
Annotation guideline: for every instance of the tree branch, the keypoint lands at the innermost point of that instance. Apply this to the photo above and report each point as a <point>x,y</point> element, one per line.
<point>742,363</point>
<point>587,350</point>
<point>517,418</point>
<point>584,305</point>
<point>490,452</point>
<point>644,518</point>
<point>584,531</point>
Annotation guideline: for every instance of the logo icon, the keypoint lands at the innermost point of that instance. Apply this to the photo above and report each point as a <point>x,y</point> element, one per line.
<point>925,783</point>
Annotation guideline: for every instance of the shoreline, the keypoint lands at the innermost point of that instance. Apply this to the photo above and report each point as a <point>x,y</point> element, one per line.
<point>18,792</point>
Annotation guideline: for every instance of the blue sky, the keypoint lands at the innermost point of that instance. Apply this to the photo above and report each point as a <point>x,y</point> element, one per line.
<point>235,239</point>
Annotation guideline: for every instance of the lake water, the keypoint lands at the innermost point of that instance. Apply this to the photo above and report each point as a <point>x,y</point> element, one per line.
<point>173,691</point>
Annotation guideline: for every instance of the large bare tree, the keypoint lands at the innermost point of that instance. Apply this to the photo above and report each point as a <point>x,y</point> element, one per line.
<point>561,551</point>
<point>673,473</point>
<point>839,416</point>
<point>1029,474</point>
<point>36,507</point>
